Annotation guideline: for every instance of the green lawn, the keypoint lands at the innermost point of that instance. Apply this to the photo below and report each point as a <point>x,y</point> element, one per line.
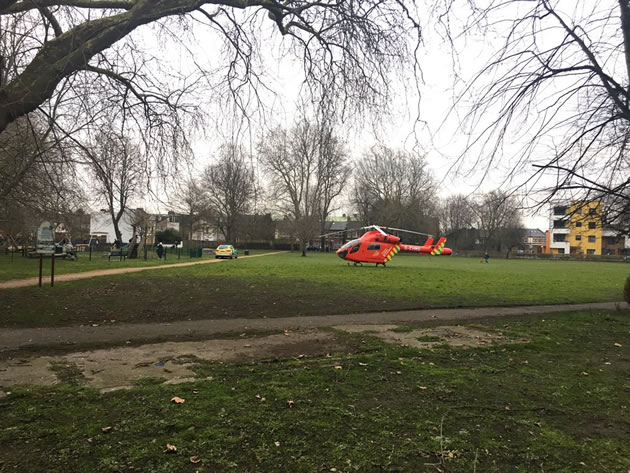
<point>18,267</point>
<point>320,284</point>
<point>560,403</point>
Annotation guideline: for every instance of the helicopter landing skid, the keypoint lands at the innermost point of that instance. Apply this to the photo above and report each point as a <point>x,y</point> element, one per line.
<point>382,264</point>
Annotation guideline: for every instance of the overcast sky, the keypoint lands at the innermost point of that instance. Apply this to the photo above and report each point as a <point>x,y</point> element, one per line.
<point>436,133</point>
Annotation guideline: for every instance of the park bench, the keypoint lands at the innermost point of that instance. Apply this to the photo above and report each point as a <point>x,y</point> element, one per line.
<point>121,252</point>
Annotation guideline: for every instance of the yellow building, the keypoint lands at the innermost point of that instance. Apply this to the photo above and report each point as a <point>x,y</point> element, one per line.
<point>585,228</point>
<point>577,229</point>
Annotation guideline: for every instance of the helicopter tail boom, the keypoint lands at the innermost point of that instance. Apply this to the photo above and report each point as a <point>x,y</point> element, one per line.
<point>428,249</point>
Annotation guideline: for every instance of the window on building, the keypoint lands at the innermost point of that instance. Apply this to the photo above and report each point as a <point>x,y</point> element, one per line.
<point>559,224</point>
<point>592,239</point>
<point>579,211</point>
<point>590,252</point>
<point>578,237</point>
<point>591,211</point>
<point>559,237</point>
<point>592,225</point>
<point>560,210</point>
<point>578,224</point>
<point>560,251</point>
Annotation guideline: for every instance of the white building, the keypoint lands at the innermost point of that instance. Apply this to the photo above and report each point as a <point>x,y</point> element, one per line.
<point>101,225</point>
<point>558,229</point>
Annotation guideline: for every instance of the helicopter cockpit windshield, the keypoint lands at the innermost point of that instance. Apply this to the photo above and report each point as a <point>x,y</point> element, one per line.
<point>349,244</point>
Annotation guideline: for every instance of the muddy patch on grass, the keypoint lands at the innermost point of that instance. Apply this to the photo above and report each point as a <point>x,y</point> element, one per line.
<point>452,335</point>
<point>169,362</point>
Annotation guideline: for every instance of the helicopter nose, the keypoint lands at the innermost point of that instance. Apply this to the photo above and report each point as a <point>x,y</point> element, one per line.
<point>342,254</point>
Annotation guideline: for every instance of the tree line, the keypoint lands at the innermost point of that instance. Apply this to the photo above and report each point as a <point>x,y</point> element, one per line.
<point>556,87</point>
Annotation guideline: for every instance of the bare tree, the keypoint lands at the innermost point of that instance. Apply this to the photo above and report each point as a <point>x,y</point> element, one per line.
<point>395,188</point>
<point>117,165</point>
<point>349,49</point>
<point>333,172</point>
<point>290,160</point>
<point>143,225</point>
<point>307,170</point>
<point>35,181</point>
<point>193,202</point>
<point>498,219</point>
<point>230,187</point>
<point>559,84</point>
<point>456,214</point>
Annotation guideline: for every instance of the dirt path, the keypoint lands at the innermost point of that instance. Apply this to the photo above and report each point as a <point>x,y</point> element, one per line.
<point>12,339</point>
<point>109,272</point>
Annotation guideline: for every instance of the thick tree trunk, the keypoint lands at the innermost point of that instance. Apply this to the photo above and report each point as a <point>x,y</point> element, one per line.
<point>71,52</point>
<point>117,231</point>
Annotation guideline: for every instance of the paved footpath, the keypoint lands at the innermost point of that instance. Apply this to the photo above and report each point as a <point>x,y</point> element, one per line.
<point>110,272</point>
<point>11,339</point>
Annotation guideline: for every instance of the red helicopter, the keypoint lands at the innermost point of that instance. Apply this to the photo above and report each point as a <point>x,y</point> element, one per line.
<point>378,247</point>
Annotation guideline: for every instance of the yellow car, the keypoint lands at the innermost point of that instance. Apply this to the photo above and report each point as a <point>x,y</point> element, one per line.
<point>225,251</point>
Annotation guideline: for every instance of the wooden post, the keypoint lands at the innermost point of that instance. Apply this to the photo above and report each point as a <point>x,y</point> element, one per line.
<point>41,268</point>
<point>52,270</point>
<point>90,253</point>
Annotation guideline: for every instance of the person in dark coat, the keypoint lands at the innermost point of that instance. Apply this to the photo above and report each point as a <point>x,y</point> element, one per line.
<point>160,250</point>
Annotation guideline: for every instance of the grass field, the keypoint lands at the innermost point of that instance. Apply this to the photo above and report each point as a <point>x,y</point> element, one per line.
<point>321,284</point>
<point>18,267</point>
<point>559,403</point>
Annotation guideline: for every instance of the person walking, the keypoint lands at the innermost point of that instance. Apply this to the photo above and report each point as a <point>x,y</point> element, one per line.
<point>486,256</point>
<point>160,250</point>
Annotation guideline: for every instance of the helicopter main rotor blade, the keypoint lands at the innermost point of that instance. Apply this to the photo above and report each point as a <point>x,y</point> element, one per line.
<point>377,228</point>
<point>332,233</point>
<point>408,231</point>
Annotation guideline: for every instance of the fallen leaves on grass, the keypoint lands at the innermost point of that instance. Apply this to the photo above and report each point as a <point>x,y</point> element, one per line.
<point>178,400</point>
<point>618,345</point>
<point>290,403</point>
<point>338,367</point>
<point>107,429</point>
<point>423,388</point>
<point>277,444</point>
<point>196,459</point>
<point>170,448</point>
